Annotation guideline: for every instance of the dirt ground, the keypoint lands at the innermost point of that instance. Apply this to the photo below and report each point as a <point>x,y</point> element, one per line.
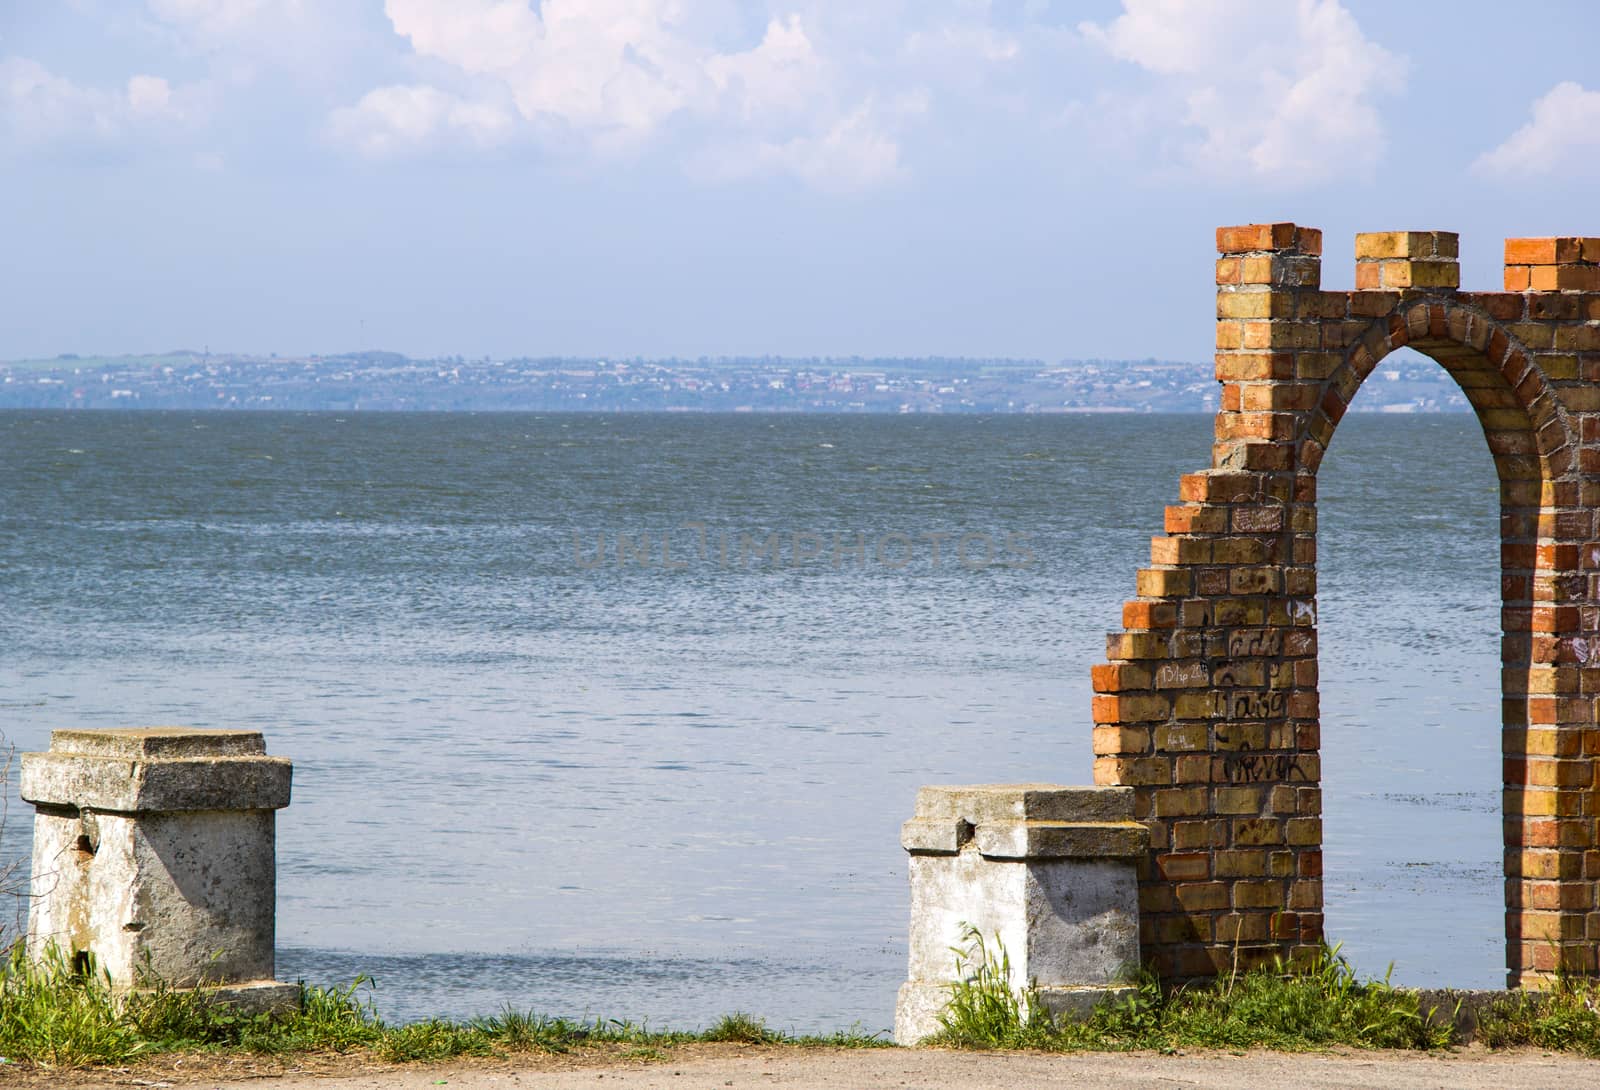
<point>714,1067</point>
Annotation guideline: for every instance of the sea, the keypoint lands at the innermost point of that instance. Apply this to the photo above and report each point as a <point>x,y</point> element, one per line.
<point>618,716</point>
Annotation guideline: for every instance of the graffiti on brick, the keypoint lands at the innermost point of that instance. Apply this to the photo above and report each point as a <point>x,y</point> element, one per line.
<point>1259,641</point>
<point>1255,705</point>
<point>1238,675</point>
<point>1248,767</point>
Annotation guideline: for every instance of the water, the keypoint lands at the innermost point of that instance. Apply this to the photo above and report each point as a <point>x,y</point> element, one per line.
<point>525,777</point>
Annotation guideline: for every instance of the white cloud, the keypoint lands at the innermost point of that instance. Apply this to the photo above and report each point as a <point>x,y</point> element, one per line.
<point>781,75</point>
<point>476,35</point>
<point>1564,134</point>
<point>850,156</point>
<point>616,74</point>
<point>1279,91</point>
<point>149,95</point>
<point>593,64</point>
<point>38,105</point>
<point>212,18</point>
<point>1172,37</point>
<point>39,108</point>
<point>281,30</point>
<point>963,43</point>
<point>246,41</point>
<point>853,154</point>
<point>402,119</point>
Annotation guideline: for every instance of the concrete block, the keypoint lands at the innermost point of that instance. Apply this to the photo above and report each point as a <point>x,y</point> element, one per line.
<point>1048,872</point>
<point>153,851</point>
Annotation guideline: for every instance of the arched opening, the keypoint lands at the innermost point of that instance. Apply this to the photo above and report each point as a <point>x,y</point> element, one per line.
<point>1409,619</point>
<point>1543,527</point>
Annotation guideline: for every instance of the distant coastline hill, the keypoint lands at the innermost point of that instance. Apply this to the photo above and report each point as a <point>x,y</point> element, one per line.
<point>388,381</point>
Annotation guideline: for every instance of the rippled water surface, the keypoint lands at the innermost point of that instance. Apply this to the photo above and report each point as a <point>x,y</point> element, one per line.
<point>527,773</point>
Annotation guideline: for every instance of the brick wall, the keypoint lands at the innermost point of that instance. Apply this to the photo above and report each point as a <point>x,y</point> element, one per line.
<point>1207,703</point>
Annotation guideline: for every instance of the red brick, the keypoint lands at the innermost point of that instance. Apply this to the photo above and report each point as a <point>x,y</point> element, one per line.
<point>1145,614</point>
<point>1255,237</point>
<point>1116,677</point>
<point>1544,251</point>
<point>1184,867</point>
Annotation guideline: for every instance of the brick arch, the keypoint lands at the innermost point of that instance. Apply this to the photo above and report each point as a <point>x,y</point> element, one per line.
<point>1207,704</point>
<point>1476,350</point>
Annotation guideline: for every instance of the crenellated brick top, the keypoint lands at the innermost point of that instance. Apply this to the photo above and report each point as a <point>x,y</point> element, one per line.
<point>1552,264</point>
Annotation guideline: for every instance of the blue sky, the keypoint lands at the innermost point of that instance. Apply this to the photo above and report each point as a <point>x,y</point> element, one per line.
<point>717,177</point>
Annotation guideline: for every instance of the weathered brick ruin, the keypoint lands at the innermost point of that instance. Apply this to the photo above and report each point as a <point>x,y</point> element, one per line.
<point>1207,705</point>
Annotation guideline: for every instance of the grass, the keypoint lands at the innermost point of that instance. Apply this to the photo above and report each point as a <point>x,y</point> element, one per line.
<point>1566,1018</point>
<point>55,1015</point>
<point>1312,1006</point>
<point>985,1011</point>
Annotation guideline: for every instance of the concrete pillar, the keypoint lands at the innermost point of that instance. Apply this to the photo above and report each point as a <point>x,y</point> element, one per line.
<point>153,850</point>
<point>1051,870</point>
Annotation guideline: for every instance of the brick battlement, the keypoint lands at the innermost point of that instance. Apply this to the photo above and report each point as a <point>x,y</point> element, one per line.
<point>1553,264</point>
<point>1207,704</point>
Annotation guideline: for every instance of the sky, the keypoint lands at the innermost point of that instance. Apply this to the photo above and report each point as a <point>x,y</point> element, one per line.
<point>983,178</point>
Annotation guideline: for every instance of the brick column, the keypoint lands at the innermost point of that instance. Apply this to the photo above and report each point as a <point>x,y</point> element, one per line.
<point>1208,705</point>
<point>1550,550</point>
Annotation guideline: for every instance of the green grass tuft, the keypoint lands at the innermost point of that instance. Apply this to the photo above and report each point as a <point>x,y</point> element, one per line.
<point>1317,1005</point>
<point>1313,1006</point>
<point>525,1031</point>
<point>62,1014</point>
<point>1566,1018</point>
<point>743,1029</point>
<point>434,1039</point>
<point>986,1010</point>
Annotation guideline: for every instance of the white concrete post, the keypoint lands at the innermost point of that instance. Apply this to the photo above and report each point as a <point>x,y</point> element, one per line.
<point>1052,871</point>
<point>153,850</point>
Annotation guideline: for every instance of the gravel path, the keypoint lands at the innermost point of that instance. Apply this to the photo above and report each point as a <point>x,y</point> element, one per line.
<point>826,1069</point>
